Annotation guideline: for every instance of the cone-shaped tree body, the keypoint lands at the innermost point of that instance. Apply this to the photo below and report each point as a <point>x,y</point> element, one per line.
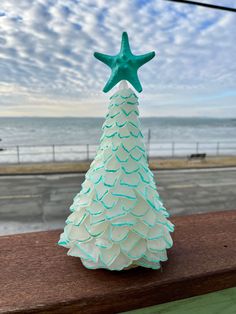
<point>118,219</point>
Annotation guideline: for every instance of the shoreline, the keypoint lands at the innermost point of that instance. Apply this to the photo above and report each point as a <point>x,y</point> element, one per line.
<point>82,166</point>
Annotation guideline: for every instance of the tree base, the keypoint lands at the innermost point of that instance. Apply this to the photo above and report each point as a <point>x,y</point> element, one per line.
<point>131,266</point>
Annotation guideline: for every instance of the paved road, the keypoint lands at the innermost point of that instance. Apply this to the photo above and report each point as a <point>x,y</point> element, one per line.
<point>39,202</point>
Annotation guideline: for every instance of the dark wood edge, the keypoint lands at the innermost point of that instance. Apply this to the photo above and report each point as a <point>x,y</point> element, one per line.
<point>155,288</point>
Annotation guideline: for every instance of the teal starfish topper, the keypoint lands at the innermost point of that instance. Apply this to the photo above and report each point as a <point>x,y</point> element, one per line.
<point>124,65</point>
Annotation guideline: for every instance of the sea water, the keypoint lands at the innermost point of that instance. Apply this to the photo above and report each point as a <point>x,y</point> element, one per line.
<point>71,135</point>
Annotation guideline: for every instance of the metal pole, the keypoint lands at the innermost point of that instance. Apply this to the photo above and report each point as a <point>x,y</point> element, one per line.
<point>197,146</point>
<point>53,153</point>
<point>218,149</point>
<point>87,149</point>
<point>18,154</point>
<point>173,149</point>
<point>148,143</point>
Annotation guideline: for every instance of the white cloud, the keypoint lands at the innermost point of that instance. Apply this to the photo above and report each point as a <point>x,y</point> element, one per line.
<point>47,64</point>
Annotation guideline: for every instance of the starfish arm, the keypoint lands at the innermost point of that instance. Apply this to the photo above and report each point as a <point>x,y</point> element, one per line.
<point>125,44</point>
<point>108,60</point>
<point>113,80</point>
<point>134,81</point>
<point>124,65</point>
<point>142,59</point>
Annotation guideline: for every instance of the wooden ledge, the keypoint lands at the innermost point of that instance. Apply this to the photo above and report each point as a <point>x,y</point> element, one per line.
<point>37,276</point>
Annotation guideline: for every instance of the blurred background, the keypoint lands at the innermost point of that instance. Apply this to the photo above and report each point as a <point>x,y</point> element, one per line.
<point>52,106</point>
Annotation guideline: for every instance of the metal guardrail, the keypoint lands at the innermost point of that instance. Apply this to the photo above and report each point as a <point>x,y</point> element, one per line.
<point>67,152</point>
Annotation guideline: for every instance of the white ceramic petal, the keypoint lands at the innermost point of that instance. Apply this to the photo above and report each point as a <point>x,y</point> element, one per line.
<point>127,220</point>
<point>168,238</point>
<point>124,192</point>
<point>90,250</point>
<point>77,252</point>
<point>77,217</point>
<point>149,218</point>
<point>116,211</point>
<point>138,250</point>
<point>144,263</point>
<point>141,229</point>
<point>157,245</point>
<point>109,200</point>
<point>96,229</point>
<point>118,233</point>
<point>100,189</point>
<point>103,243</point>
<point>112,164</point>
<point>95,219</point>
<point>130,180</point>
<point>136,154</point>
<point>108,256</point>
<point>129,243</point>
<point>78,233</point>
<point>123,132</point>
<point>96,208</point>
<point>121,262</point>
<point>156,257</point>
<point>131,166</point>
<point>141,207</point>
<point>156,232</point>
<point>92,265</point>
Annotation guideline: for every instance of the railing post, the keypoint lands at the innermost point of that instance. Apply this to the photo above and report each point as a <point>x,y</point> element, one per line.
<point>18,154</point>
<point>197,147</point>
<point>218,149</point>
<point>53,153</point>
<point>148,144</point>
<point>173,149</point>
<point>87,150</point>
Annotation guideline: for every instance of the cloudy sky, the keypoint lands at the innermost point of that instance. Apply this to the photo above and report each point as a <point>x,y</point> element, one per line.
<point>47,66</point>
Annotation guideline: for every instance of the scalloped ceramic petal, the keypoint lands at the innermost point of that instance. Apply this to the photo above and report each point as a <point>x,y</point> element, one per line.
<point>118,219</point>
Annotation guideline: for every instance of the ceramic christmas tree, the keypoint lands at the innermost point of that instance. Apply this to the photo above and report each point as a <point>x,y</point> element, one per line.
<point>118,220</point>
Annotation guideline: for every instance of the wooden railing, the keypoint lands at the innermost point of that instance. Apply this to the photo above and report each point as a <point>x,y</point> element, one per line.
<point>37,276</point>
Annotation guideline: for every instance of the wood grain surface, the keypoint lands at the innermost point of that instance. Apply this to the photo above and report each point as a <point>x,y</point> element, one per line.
<point>38,277</point>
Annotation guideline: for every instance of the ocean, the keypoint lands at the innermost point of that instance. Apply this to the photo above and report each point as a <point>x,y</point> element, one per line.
<point>185,132</point>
